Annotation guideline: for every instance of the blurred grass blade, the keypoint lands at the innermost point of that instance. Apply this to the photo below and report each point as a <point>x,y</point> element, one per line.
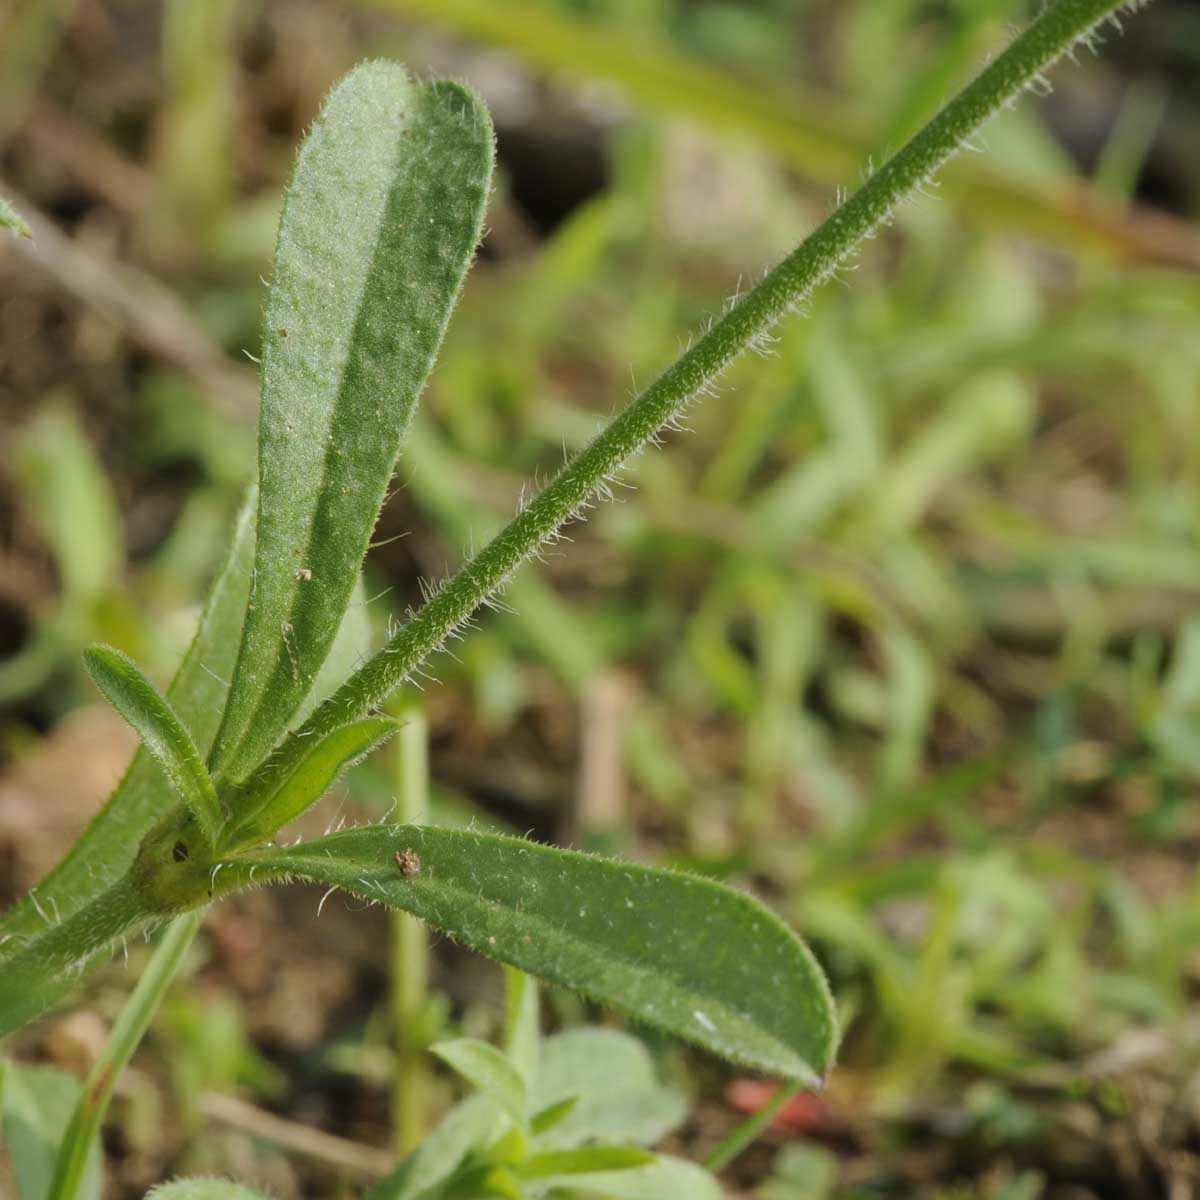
<point>269,801</point>
<point>380,222</point>
<point>161,731</point>
<point>489,1072</point>
<point>694,958</point>
<point>795,126</point>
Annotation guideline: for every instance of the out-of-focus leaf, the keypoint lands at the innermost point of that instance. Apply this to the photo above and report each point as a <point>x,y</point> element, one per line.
<point>611,1078</point>
<point>485,1068</point>
<point>37,1105</point>
<point>664,1179</point>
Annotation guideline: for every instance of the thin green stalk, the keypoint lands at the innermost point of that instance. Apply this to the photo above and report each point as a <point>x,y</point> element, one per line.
<point>131,1026</point>
<point>747,323</point>
<point>729,1147</point>
<point>410,948</point>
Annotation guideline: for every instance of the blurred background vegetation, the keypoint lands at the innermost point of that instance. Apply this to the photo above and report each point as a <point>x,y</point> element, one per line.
<point>902,635</point>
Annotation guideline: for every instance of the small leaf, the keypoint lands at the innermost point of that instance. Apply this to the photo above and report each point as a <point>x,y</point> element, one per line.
<point>11,219</point>
<point>666,1178</point>
<point>38,1102</point>
<point>553,1114</point>
<point>585,1160</point>
<point>487,1070</point>
<point>162,732</point>
<point>685,954</point>
<point>466,1127</point>
<point>608,1077</point>
<point>203,1189</point>
<point>381,220</point>
<point>501,1182</point>
<point>268,801</point>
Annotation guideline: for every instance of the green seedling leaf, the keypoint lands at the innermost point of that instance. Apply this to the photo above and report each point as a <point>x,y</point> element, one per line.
<point>270,800</point>
<point>501,1182</point>
<point>465,1128</point>
<point>685,954</point>
<point>204,1189</point>
<point>607,1080</point>
<point>664,1179</point>
<point>381,220</point>
<point>547,1118</point>
<point>161,731</point>
<point>38,1102</point>
<point>587,1160</point>
<point>11,219</point>
<point>487,1070</point>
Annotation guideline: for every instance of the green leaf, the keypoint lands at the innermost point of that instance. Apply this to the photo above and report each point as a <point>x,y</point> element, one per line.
<point>271,799</point>
<point>611,1078</point>
<point>666,1178</point>
<point>89,876</point>
<point>37,1105</point>
<point>11,219</point>
<point>545,1119</point>
<point>685,954</point>
<point>204,1189</point>
<point>486,1069</point>
<point>161,731</point>
<point>383,214</point>
<point>466,1127</point>
<point>589,1159</point>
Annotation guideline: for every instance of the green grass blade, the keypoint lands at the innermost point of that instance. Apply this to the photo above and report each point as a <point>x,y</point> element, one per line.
<point>699,960</point>
<point>270,799</point>
<point>161,731</point>
<point>381,220</point>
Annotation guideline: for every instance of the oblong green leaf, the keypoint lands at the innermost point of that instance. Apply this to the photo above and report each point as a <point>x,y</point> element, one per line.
<point>272,798</point>
<point>488,1071</point>
<point>383,214</point>
<point>685,954</point>
<point>161,731</point>
<point>587,1159</point>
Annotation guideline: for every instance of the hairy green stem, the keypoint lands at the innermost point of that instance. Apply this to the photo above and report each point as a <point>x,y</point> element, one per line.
<point>126,1035</point>
<point>747,323</point>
